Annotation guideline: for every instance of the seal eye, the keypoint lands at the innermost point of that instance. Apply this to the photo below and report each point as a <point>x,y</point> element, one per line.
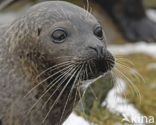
<point>59,36</point>
<point>98,32</point>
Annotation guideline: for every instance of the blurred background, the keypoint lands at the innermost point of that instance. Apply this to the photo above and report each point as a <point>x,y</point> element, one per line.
<point>130,30</point>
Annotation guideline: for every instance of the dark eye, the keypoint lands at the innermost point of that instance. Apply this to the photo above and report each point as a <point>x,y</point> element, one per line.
<point>59,36</point>
<point>98,32</point>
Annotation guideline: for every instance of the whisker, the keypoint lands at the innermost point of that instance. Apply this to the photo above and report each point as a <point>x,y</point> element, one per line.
<point>81,99</point>
<point>75,95</point>
<point>55,67</point>
<point>135,88</point>
<point>91,10</point>
<point>77,76</point>
<point>137,76</point>
<point>46,79</point>
<point>60,94</point>
<point>124,60</point>
<point>87,6</point>
<point>131,88</point>
<point>78,85</point>
<point>87,9</point>
<point>90,68</point>
<point>86,71</point>
<point>79,91</point>
<point>65,76</point>
<point>128,70</point>
<point>43,95</point>
<point>92,91</point>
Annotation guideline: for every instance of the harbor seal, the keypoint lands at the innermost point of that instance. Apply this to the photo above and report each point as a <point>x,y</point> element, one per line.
<point>47,56</point>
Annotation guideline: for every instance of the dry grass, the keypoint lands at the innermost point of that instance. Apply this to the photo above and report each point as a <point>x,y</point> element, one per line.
<point>102,116</point>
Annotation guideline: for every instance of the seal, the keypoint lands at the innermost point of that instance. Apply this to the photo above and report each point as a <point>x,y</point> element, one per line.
<point>47,56</point>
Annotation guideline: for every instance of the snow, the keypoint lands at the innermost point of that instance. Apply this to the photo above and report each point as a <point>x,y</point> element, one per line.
<point>140,47</point>
<point>119,105</point>
<point>151,14</point>
<point>74,119</point>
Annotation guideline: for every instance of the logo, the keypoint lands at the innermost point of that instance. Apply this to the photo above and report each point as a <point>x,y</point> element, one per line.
<point>139,119</point>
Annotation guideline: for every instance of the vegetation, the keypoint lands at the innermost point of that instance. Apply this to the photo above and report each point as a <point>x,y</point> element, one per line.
<point>147,88</point>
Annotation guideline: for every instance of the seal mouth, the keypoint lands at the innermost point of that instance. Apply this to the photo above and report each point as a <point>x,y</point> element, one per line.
<point>100,67</point>
<point>94,67</point>
<point>99,64</point>
<point>83,68</point>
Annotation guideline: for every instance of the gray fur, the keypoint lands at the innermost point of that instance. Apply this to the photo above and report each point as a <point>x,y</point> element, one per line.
<point>25,53</point>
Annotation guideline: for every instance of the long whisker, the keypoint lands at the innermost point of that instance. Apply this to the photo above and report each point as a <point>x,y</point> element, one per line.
<point>87,7</point>
<point>86,77</point>
<point>65,76</point>
<point>124,60</point>
<point>78,85</point>
<point>79,92</point>
<point>90,68</point>
<point>136,75</point>
<point>116,74</point>
<point>139,76</point>
<point>92,91</point>
<point>86,71</point>
<point>43,95</point>
<point>91,10</point>
<point>46,79</point>
<point>135,88</point>
<point>128,70</point>
<point>75,69</point>
<point>77,76</point>
<point>54,67</point>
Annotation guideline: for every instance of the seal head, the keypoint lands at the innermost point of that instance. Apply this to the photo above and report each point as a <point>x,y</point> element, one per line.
<point>59,32</point>
<point>54,47</point>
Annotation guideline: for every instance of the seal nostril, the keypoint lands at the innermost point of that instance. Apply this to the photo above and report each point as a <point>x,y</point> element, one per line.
<point>99,50</point>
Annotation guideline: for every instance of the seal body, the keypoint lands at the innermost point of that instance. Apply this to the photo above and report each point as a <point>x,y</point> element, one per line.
<point>46,57</point>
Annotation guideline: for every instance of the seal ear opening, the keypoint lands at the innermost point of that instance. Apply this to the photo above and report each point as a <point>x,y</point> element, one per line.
<point>39,31</point>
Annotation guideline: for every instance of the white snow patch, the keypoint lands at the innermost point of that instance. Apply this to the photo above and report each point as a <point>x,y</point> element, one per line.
<point>151,14</point>
<point>118,105</point>
<point>141,47</point>
<point>76,120</point>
